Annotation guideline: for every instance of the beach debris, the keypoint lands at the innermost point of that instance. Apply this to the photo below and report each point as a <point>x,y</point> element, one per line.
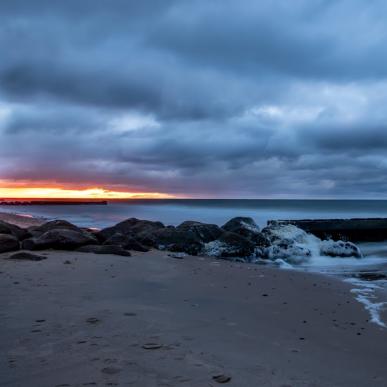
<point>152,346</point>
<point>130,314</point>
<point>221,378</point>
<point>177,255</point>
<point>24,256</point>
<point>111,370</point>
<point>92,320</point>
<point>67,262</point>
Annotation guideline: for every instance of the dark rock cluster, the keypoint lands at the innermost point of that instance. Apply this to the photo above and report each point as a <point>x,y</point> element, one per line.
<point>239,238</point>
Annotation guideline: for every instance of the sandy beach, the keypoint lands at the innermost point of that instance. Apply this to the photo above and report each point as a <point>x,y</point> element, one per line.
<point>78,319</point>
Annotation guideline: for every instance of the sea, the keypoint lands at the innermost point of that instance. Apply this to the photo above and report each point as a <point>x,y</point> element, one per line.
<point>372,294</point>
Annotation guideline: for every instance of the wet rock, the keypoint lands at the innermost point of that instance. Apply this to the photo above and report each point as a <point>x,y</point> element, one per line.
<point>354,230</point>
<point>339,249</point>
<point>152,346</point>
<point>134,227</point>
<point>104,249</point>
<point>11,229</point>
<point>25,256</point>
<point>126,241</point>
<point>8,243</point>
<point>52,225</point>
<point>61,239</point>
<point>288,252</point>
<point>176,240</point>
<point>204,232</point>
<point>92,320</point>
<point>177,255</point>
<point>230,245</point>
<point>371,276</point>
<point>221,378</point>
<point>246,227</point>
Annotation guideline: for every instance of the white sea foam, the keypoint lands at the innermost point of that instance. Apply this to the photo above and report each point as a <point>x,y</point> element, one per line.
<point>296,246</point>
<point>365,294</point>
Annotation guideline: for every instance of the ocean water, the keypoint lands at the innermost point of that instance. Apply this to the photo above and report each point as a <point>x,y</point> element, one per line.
<point>172,212</point>
<point>210,211</point>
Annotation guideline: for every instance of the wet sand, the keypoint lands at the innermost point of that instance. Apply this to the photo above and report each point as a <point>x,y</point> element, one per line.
<point>78,319</point>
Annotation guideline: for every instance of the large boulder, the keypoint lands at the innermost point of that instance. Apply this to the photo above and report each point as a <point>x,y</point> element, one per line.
<point>8,243</point>
<point>12,229</point>
<point>36,231</point>
<point>230,245</point>
<point>174,239</point>
<point>128,242</point>
<point>339,249</point>
<point>61,239</point>
<point>246,227</point>
<point>104,249</point>
<point>202,231</point>
<point>134,227</point>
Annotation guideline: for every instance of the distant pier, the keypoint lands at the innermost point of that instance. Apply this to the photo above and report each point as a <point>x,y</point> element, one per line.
<point>4,202</point>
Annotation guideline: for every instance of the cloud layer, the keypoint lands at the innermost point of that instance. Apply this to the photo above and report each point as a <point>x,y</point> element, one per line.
<point>196,98</point>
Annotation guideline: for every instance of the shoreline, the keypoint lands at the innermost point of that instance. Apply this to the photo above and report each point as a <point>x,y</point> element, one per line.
<point>86,319</point>
<point>256,324</point>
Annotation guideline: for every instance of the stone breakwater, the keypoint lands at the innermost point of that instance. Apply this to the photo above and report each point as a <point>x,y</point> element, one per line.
<point>354,230</point>
<point>240,238</point>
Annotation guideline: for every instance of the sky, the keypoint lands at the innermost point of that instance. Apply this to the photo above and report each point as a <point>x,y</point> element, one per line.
<point>198,98</point>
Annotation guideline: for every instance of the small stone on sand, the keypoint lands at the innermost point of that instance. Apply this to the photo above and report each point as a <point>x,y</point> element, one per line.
<point>152,346</point>
<point>221,378</point>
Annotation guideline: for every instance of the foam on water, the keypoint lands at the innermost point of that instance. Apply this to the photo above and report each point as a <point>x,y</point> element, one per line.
<point>365,294</point>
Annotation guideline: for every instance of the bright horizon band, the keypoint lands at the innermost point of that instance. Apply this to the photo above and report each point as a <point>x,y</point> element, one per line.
<point>63,193</point>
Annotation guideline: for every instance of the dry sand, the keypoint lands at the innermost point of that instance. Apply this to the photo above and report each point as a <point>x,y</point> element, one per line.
<point>86,323</point>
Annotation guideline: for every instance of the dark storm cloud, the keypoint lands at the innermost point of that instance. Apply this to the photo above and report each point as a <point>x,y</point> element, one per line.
<point>211,98</point>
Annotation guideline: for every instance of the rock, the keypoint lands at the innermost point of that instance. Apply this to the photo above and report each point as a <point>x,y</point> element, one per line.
<point>11,229</point>
<point>176,240</point>
<point>177,255</point>
<point>371,276</point>
<point>61,239</point>
<point>241,225</point>
<point>354,230</point>
<point>339,249</point>
<point>8,243</point>
<point>93,320</point>
<point>126,241</point>
<point>202,231</point>
<point>221,378</point>
<point>289,243</point>
<point>247,228</point>
<point>229,245</point>
<point>24,256</point>
<point>288,252</point>
<point>152,346</point>
<point>52,225</point>
<point>104,249</point>
<point>134,227</point>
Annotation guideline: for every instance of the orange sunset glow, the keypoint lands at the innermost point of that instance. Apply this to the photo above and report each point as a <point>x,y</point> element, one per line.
<point>63,193</point>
